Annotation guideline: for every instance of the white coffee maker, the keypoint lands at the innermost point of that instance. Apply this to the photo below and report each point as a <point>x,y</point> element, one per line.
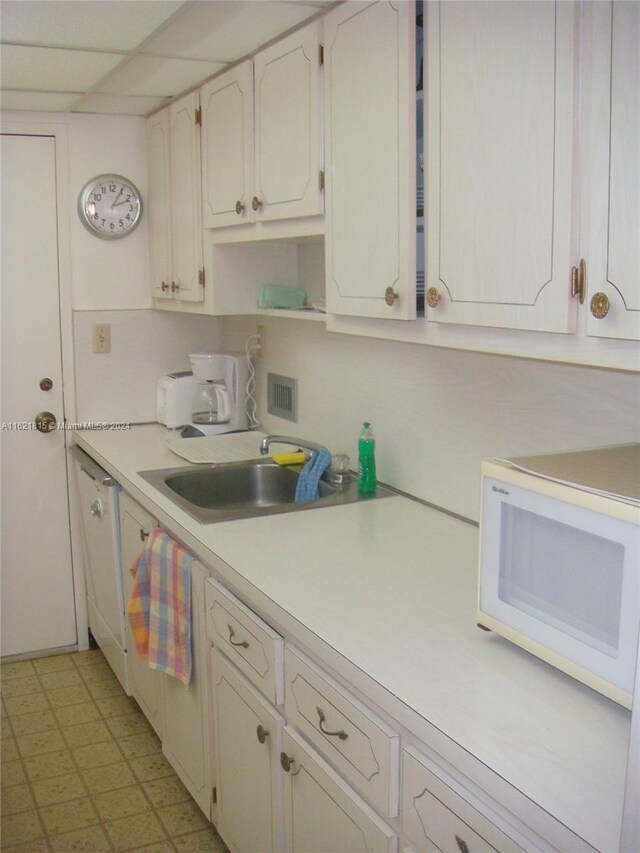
<point>220,393</point>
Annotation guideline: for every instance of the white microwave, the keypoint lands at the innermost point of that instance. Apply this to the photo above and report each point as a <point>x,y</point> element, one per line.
<point>560,562</point>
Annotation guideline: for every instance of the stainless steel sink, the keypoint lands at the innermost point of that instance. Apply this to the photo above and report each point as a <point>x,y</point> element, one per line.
<point>244,489</point>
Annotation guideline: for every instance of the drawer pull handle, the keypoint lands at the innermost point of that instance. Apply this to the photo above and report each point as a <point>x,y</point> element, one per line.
<point>262,733</point>
<point>242,643</point>
<point>321,717</point>
<point>462,844</point>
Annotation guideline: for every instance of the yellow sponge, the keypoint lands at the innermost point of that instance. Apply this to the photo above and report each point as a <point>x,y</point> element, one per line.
<point>294,458</point>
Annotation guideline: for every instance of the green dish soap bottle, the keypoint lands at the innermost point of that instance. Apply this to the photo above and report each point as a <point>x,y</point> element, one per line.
<point>366,461</point>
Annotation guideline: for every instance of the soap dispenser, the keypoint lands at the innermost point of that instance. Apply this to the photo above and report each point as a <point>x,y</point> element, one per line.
<point>366,461</point>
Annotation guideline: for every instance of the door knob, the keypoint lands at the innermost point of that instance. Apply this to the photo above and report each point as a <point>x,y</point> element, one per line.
<point>433,296</point>
<point>45,421</point>
<point>256,203</point>
<point>239,208</point>
<point>46,384</point>
<point>262,733</point>
<point>286,761</point>
<point>390,296</point>
<point>599,305</point>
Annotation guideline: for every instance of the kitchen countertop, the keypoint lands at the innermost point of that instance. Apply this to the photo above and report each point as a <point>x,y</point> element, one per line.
<point>390,585</point>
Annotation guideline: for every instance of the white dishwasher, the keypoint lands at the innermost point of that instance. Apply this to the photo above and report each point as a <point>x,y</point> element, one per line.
<point>98,496</point>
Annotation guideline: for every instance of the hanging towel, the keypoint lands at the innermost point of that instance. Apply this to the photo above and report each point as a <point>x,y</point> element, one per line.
<point>307,485</point>
<point>160,605</point>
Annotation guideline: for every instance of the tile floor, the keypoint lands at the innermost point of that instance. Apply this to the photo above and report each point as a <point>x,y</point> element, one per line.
<point>82,770</point>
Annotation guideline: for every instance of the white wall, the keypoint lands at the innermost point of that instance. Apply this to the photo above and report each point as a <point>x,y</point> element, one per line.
<point>437,413</point>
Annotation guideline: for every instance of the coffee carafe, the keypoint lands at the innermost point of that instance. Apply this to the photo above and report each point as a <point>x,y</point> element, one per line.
<point>218,400</point>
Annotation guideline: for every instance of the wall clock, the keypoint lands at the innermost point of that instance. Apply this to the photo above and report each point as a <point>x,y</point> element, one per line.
<point>110,206</point>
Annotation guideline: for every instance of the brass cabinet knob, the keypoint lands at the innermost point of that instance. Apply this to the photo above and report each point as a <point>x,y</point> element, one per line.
<point>46,384</point>
<point>599,305</point>
<point>390,296</point>
<point>144,534</point>
<point>45,421</point>
<point>433,296</point>
<point>174,287</point>
<point>239,208</point>
<point>462,844</point>
<point>262,734</point>
<point>286,761</point>
<point>164,286</point>
<point>256,203</point>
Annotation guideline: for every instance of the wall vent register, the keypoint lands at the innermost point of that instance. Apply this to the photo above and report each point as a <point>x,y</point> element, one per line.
<point>282,395</point>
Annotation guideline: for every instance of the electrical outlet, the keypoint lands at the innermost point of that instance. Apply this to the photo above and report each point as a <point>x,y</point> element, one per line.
<point>261,331</point>
<point>102,337</point>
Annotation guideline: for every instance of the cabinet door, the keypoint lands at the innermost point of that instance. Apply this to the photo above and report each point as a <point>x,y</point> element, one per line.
<point>185,196</point>
<point>159,204</point>
<point>499,163</point>
<point>612,249</point>
<point>287,130</point>
<point>144,683</point>
<point>185,735</point>
<point>247,749</point>
<point>227,148</point>
<point>321,811</point>
<point>370,144</point>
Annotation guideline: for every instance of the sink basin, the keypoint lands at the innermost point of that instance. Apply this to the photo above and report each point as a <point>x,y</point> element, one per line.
<point>243,489</point>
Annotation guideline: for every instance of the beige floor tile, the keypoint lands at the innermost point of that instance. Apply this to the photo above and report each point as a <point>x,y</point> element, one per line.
<point>62,678</point>
<point>130,724</point>
<point>99,690</point>
<point>151,767</point>
<point>39,721</point>
<point>100,673</point>
<point>9,749</point>
<point>182,818</point>
<point>27,704</point>
<point>21,686</point>
<point>12,773</point>
<point>49,765</point>
<point>122,802</point>
<point>204,841</point>
<point>60,789</point>
<point>20,828</point>
<point>135,831</point>
<point>17,799</point>
<point>16,669</point>
<point>53,663</point>
<point>61,817</point>
<point>86,733</point>
<point>90,657</point>
<point>117,706</point>
<point>40,845</point>
<point>92,839</point>
<point>159,847</point>
<point>137,746</point>
<point>108,778</point>
<point>97,754</point>
<point>5,729</point>
<point>73,695</point>
<point>166,792</point>
<point>74,715</point>
<point>40,743</point>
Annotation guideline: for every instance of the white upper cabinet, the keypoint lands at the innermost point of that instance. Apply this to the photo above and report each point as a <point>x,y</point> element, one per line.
<point>370,144</point>
<point>499,139</point>
<point>227,148</point>
<point>175,222</point>
<point>270,170</point>
<point>611,244</point>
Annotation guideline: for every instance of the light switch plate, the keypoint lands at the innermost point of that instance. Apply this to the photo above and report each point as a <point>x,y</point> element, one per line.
<point>102,337</point>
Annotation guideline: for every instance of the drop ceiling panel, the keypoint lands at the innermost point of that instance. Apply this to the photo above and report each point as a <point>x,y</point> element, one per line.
<point>150,75</point>
<point>46,69</point>
<point>118,105</point>
<point>99,25</point>
<point>38,101</point>
<point>226,31</point>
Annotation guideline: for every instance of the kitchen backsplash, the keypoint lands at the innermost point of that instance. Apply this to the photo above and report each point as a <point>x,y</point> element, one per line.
<point>145,344</point>
<point>436,413</point>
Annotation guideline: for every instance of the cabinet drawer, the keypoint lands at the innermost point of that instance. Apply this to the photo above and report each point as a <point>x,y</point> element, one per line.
<point>254,647</point>
<point>436,818</point>
<point>357,742</point>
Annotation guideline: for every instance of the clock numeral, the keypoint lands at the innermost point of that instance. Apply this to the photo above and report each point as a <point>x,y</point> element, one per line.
<point>112,188</point>
<point>97,196</point>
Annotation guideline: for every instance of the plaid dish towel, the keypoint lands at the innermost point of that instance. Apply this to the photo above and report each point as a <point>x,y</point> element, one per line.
<point>159,607</point>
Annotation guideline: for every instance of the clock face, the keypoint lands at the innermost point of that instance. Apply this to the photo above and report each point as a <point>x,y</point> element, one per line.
<point>110,206</point>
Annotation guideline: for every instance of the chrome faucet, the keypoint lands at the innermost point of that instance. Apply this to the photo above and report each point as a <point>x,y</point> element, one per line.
<point>287,439</point>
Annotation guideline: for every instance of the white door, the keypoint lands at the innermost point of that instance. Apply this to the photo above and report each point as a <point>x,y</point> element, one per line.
<point>38,608</point>
<point>159,207</point>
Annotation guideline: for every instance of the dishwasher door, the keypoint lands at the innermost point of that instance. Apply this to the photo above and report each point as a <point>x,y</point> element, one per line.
<point>98,503</point>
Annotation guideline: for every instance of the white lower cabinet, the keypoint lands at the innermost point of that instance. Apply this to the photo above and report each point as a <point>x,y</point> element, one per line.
<point>247,731</point>
<point>321,811</point>
<point>436,818</point>
<point>185,735</point>
<point>145,684</point>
